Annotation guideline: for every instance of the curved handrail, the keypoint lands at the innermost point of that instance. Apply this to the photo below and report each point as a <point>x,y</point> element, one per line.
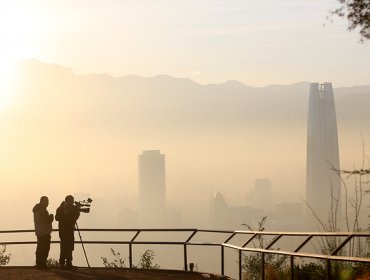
<point>252,235</point>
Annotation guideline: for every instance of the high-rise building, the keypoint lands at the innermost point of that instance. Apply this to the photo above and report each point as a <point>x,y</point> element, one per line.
<point>322,182</point>
<point>152,184</point>
<point>261,195</point>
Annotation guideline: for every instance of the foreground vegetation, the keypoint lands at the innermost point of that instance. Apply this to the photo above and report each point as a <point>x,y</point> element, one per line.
<point>146,260</point>
<point>4,257</point>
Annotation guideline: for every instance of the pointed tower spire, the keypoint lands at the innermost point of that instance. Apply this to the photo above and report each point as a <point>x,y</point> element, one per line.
<point>322,183</point>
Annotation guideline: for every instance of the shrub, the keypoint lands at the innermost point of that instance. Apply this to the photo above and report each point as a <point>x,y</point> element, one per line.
<point>145,262</point>
<point>4,257</point>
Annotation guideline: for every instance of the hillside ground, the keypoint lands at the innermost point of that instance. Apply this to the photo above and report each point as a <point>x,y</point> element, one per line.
<point>10,273</point>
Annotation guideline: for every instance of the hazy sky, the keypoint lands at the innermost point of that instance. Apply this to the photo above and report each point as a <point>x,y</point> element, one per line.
<point>258,42</point>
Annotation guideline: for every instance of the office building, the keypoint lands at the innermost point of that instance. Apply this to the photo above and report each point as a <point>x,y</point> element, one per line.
<point>152,184</point>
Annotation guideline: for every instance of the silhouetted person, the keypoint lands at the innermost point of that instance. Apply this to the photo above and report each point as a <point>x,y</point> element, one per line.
<point>67,215</point>
<point>43,228</point>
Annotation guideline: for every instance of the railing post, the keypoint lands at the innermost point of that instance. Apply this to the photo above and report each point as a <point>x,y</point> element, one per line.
<point>185,258</point>
<point>130,254</point>
<point>240,264</point>
<point>130,248</point>
<point>186,251</point>
<point>328,267</point>
<point>222,260</point>
<point>263,266</point>
<point>291,267</point>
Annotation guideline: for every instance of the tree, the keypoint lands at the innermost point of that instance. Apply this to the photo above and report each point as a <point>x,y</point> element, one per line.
<point>353,206</point>
<point>356,201</point>
<point>274,264</point>
<point>357,12</point>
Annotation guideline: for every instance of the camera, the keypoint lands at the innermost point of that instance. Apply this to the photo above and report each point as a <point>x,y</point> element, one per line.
<point>84,205</point>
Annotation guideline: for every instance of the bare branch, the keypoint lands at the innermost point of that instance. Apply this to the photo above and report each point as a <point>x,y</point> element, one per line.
<point>314,213</point>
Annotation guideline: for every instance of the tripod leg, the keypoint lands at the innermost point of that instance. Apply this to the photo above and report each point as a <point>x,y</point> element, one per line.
<point>83,247</point>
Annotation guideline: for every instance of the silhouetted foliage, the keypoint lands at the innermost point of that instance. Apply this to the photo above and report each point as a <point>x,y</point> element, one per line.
<point>353,206</point>
<point>118,261</point>
<point>309,271</point>
<point>357,12</point>
<point>317,271</point>
<point>274,264</point>
<point>353,172</point>
<point>52,262</point>
<point>4,257</point>
<point>360,189</point>
<point>145,262</point>
<point>353,200</point>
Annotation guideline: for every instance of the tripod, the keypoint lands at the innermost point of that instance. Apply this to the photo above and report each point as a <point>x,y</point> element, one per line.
<point>83,247</point>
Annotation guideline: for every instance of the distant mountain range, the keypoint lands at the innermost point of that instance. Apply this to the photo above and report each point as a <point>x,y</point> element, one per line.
<point>164,100</point>
<point>84,132</point>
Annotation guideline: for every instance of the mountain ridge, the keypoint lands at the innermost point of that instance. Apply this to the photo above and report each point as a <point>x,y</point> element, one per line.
<point>161,77</point>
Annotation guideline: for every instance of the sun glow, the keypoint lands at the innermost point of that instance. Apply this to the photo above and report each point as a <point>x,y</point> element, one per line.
<point>20,35</point>
<point>6,81</point>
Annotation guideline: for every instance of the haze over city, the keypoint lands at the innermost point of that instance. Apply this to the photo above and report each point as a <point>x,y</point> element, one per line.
<point>83,134</point>
<point>216,91</point>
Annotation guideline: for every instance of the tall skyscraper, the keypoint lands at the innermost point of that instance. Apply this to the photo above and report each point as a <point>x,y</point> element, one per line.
<point>152,185</point>
<point>322,183</point>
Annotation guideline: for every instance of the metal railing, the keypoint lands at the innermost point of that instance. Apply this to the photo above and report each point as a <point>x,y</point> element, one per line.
<point>253,236</point>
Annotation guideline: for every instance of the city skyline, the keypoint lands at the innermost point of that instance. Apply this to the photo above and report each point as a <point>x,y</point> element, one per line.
<point>174,114</point>
<point>196,132</point>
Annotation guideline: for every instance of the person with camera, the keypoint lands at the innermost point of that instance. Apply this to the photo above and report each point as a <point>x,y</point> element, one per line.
<point>67,215</point>
<point>43,228</point>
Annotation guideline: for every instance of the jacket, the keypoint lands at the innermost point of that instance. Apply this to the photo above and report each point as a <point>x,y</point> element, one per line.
<point>67,217</point>
<point>42,220</point>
